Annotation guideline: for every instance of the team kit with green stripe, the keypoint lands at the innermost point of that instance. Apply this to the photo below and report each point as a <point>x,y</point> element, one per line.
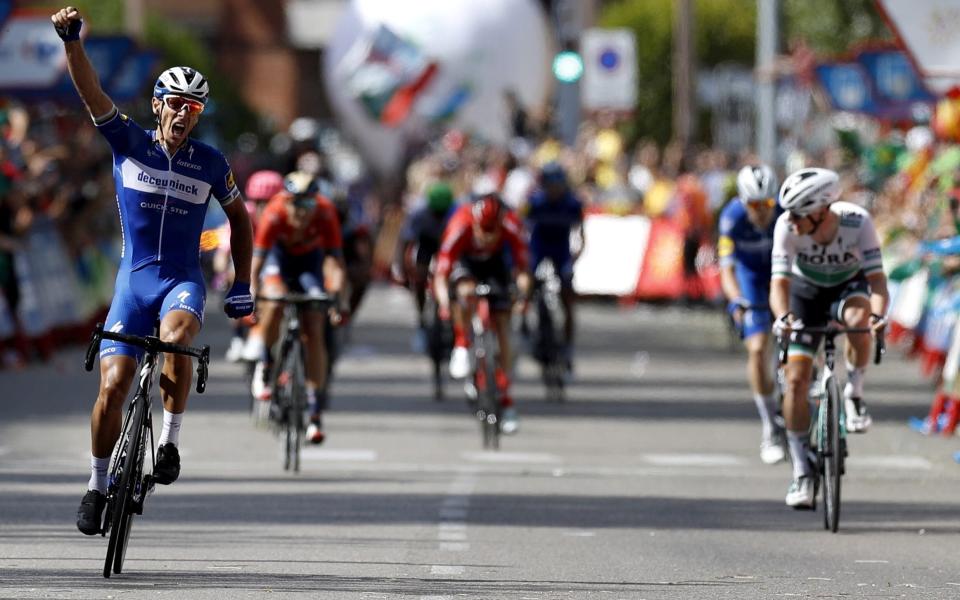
<point>824,276</point>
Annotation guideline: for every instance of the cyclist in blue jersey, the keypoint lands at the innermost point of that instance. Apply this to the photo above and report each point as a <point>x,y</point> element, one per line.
<point>164,181</point>
<point>744,248</point>
<point>552,214</point>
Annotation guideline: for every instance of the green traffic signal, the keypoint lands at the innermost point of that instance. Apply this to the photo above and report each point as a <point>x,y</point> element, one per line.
<point>567,66</point>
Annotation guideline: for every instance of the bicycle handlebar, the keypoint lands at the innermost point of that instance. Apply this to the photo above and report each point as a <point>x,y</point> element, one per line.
<point>880,348</point>
<point>152,344</point>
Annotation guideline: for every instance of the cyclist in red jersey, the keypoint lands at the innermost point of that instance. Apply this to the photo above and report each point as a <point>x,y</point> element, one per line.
<point>298,248</point>
<point>484,242</point>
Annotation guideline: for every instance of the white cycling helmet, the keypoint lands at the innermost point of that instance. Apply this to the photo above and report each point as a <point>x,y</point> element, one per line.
<point>182,81</point>
<point>807,190</point>
<point>756,183</point>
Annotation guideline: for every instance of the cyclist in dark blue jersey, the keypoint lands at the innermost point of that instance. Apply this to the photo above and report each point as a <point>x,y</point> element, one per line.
<point>744,248</point>
<point>553,214</point>
<point>164,182</point>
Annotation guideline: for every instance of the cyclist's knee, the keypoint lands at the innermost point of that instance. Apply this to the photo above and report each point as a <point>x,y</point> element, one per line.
<point>466,288</point>
<point>856,314</point>
<point>114,385</point>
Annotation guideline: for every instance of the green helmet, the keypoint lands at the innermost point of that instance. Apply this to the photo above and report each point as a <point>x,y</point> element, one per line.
<point>439,197</point>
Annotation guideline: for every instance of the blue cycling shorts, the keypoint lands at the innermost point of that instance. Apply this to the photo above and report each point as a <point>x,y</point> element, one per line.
<point>756,320</point>
<point>756,289</point>
<point>144,296</point>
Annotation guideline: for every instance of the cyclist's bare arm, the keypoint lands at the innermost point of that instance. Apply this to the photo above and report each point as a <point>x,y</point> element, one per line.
<point>879,296</point>
<point>241,240</point>
<point>728,282</point>
<point>85,79</point>
<point>779,296</point>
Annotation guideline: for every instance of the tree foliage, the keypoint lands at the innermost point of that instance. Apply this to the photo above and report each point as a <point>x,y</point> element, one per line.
<point>832,27</point>
<point>724,32</point>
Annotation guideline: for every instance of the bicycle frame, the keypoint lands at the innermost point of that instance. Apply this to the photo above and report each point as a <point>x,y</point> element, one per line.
<point>829,428</point>
<point>289,372</point>
<point>485,352</point>
<point>128,487</point>
<point>549,313</point>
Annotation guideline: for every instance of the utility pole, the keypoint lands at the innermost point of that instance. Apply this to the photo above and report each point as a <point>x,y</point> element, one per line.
<point>767,39</point>
<point>568,26</point>
<point>133,16</point>
<point>683,71</point>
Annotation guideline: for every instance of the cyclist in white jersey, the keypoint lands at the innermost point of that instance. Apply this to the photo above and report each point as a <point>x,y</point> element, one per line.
<point>826,267</point>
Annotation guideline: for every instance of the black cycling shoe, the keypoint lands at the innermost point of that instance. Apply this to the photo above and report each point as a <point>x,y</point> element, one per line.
<point>90,513</point>
<point>167,468</point>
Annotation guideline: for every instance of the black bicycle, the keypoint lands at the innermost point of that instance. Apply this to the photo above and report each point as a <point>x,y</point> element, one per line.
<point>130,482</point>
<point>828,433</point>
<point>547,346</point>
<point>288,376</point>
<point>439,343</point>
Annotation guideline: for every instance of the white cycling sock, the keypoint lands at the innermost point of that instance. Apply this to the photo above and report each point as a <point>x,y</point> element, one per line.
<point>767,409</point>
<point>171,428</point>
<point>799,443</point>
<point>98,474</point>
<point>854,386</point>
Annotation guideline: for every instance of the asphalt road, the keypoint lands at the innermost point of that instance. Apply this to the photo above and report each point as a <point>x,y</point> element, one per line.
<point>645,484</point>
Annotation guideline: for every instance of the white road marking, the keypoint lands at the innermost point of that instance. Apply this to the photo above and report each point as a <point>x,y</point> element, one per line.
<point>694,460</point>
<point>452,536</point>
<point>872,562</point>
<point>579,533</point>
<point>452,526</point>
<point>510,457</point>
<point>3,451</point>
<point>454,546</point>
<point>338,454</point>
<point>446,570</point>
<point>890,461</point>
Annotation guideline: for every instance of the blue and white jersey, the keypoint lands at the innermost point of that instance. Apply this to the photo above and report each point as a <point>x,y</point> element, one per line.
<point>742,244</point>
<point>163,199</point>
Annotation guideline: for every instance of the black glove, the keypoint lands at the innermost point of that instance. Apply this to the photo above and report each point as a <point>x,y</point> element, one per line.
<point>72,31</point>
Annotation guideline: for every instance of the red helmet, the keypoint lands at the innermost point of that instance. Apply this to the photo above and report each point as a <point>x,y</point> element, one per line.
<point>263,185</point>
<point>486,212</point>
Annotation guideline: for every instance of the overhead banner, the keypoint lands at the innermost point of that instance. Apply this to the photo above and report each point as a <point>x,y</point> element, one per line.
<point>31,54</point>
<point>847,85</point>
<point>929,31</point>
<point>893,76</point>
<point>132,77</point>
<point>609,69</point>
<point>106,53</point>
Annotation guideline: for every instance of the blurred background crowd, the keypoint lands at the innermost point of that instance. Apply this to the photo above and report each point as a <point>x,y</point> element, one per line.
<point>650,107</point>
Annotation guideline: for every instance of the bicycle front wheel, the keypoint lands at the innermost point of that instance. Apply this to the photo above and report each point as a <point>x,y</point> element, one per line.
<point>298,405</point>
<point>489,399</point>
<point>122,508</point>
<point>830,447</point>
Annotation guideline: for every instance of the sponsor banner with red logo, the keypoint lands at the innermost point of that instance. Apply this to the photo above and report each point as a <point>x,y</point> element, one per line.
<point>661,276</point>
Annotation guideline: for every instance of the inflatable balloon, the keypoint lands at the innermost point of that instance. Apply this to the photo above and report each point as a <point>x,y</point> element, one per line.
<point>394,71</point>
<point>946,120</point>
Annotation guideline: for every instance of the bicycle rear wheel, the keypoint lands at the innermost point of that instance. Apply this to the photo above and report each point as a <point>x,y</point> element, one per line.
<point>131,459</point>
<point>832,455</point>
<point>298,406</point>
<point>489,400</point>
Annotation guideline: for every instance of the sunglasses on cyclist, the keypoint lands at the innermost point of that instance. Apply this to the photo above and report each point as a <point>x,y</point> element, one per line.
<point>762,202</point>
<point>304,202</point>
<point>177,103</point>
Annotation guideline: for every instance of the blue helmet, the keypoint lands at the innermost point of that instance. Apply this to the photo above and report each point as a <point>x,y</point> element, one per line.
<point>182,81</point>
<point>553,173</point>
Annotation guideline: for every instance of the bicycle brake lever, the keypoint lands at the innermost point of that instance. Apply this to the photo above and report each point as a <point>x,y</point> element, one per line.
<point>202,369</point>
<point>93,347</point>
